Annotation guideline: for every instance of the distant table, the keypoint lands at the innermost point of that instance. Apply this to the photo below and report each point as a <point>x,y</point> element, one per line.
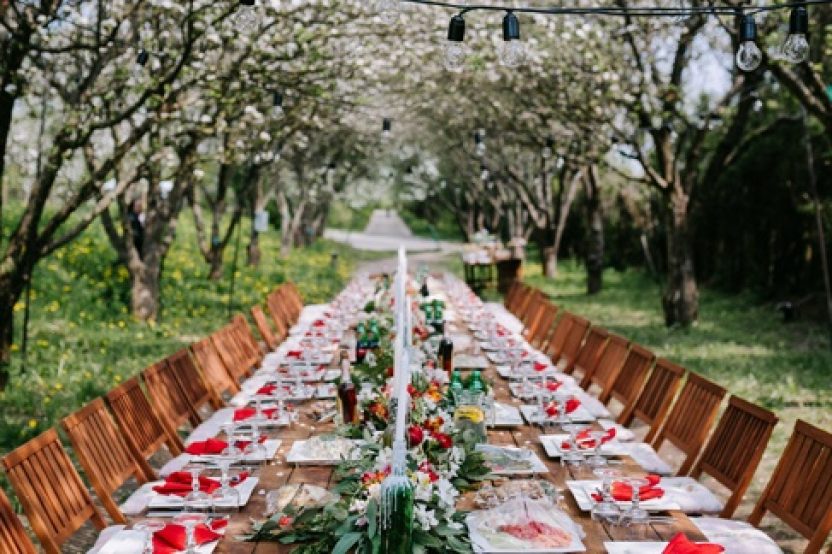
<point>484,274</point>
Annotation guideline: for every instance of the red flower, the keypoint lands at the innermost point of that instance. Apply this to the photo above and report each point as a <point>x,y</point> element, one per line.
<point>284,521</point>
<point>434,424</point>
<point>390,371</point>
<point>445,441</point>
<point>413,391</point>
<point>415,436</point>
<point>425,467</point>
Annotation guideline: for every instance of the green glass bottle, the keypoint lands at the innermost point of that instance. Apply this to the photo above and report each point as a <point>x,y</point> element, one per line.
<point>397,524</point>
<point>475,383</point>
<point>455,386</point>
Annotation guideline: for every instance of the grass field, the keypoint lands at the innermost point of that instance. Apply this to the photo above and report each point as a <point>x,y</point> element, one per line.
<point>738,342</point>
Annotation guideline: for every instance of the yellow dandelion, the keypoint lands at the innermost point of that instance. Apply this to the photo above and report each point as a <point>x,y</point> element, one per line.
<point>33,423</point>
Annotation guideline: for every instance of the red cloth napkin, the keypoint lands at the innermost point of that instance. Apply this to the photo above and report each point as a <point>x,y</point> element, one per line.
<point>540,366</point>
<point>623,492</point>
<point>571,405</point>
<point>294,353</point>
<point>173,538</point>
<point>680,544</point>
<point>179,484</point>
<point>319,323</point>
<point>216,446</point>
<point>243,414</point>
<point>585,442</point>
<point>553,385</point>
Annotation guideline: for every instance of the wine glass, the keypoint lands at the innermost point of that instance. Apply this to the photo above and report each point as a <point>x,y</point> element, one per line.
<point>574,456</point>
<point>635,514</point>
<point>597,460</point>
<point>149,527</point>
<point>196,499</point>
<point>190,521</point>
<point>231,450</point>
<point>606,509</point>
<point>225,497</point>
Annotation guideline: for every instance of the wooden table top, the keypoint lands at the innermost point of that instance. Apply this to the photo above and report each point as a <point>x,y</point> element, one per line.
<point>279,473</point>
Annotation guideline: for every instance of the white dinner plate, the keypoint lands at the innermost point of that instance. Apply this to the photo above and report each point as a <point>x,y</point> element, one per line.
<point>532,416</point>
<point>552,445</point>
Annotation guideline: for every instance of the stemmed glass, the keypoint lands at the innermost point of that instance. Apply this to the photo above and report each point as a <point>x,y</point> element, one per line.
<point>226,497</point>
<point>255,452</point>
<point>597,460</point>
<point>561,399</point>
<point>606,510</point>
<point>573,457</point>
<point>149,526</point>
<point>635,514</point>
<point>196,499</point>
<point>231,450</point>
<point>190,521</point>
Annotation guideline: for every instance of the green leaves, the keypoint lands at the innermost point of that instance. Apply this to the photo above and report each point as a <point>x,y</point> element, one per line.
<point>346,543</point>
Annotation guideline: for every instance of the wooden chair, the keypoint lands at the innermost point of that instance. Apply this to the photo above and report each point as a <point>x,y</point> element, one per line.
<point>573,344</point>
<point>263,328</point>
<point>655,399</point>
<point>691,418</point>
<point>608,365</point>
<point>246,337</point>
<point>279,317</point>
<point>512,292</point>
<point>53,496</point>
<point>539,335</point>
<point>535,313</point>
<point>591,350</point>
<point>522,301</point>
<point>293,299</point>
<point>168,399</point>
<point>139,425</point>
<point>800,490</point>
<point>104,454</point>
<point>627,385</point>
<point>192,381</point>
<point>735,449</point>
<point>530,308</point>
<point>554,345</point>
<point>216,373</point>
<point>13,537</point>
<point>229,345</point>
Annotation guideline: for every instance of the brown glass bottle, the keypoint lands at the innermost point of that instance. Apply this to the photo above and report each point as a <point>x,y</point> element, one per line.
<point>347,393</point>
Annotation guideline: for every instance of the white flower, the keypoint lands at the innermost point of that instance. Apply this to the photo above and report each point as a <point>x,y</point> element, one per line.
<point>447,493</point>
<point>426,518</point>
<point>424,488</point>
<point>374,490</point>
<point>358,505</point>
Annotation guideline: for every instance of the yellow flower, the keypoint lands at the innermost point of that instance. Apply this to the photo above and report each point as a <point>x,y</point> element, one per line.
<point>15,348</point>
<point>33,423</point>
<point>43,343</point>
<point>59,386</point>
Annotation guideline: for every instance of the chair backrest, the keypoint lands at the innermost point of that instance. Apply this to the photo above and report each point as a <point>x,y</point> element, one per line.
<point>520,300</point>
<point>247,339</point>
<point>608,366</point>
<point>53,496</point>
<point>229,345</point>
<point>530,308</point>
<point>554,345</point>
<point>735,449</point>
<point>512,292</point>
<point>213,367</point>
<point>13,537</point>
<point>104,454</point>
<point>691,418</point>
<point>539,334</point>
<point>139,424</point>
<point>191,381</point>
<point>591,351</point>
<point>263,327</point>
<point>626,387</point>
<point>573,344</point>
<point>654,402</point>
<point>296,297</point>
<point>800,489</point>
<point>167,397</point>
<point>279,316</point>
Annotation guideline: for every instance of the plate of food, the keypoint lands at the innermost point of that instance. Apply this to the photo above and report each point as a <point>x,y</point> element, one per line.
<point>321,451</point>
<point>557,445</point>
<point>508,460</point>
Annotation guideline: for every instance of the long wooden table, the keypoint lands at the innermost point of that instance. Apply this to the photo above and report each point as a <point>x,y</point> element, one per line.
<point>279,473</point>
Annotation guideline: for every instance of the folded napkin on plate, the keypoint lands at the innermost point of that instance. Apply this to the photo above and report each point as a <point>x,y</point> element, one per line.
<point>215,446</point>
<point>319,323</point>
<point>553,385</point>
<point>571,405</point>
<point>243,414</point>
<point>540,366</point>
<point>680,544</point>
<point>623,492</point>
<point>294,353</point>
<point>268,390</point>
<point>173,539</point>
<point>585,441</point>
<point>179,483</point>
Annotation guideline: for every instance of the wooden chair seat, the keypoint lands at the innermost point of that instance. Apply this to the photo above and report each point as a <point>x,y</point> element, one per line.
<point>104,454</point>
<point>54,497</point>
<point>13,537</point>
<point>572,344</point>
<point>655,399</point>
<point>691,418</point>
<point>800,490</point>
<point>627,385</point>
<point>263,328</point>
<point>216,373</point>
<point>139,425</point>
<point>608,366</point>
<point>735,449</point>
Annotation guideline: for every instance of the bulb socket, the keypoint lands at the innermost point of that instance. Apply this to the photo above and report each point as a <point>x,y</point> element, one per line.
<point>142,58</point>
<point>456,29</point>
<point>386,125</point>
<point>799,21</point>
<point>511,27</point>
<point>748,29</point>
<point>277,100</point>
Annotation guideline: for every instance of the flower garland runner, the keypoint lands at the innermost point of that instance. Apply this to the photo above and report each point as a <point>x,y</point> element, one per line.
<point>441,464</point>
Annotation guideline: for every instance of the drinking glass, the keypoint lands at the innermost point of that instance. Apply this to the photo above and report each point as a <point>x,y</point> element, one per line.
<point>190,521</point>
<point>635,514</point>
<point>574,456</point>
<point>149,527</point>
<point>597,460</point>
<point>226,497</point>
<point>606,510</point>
<point>196,499</point>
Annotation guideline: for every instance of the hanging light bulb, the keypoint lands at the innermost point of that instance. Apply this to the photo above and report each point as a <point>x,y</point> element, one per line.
<point>277,105</point>
<point>484,173</point>
<point>386,128</point>
<point>479,141</point>
<point>455,49</point>
<point>388,10</point>
<point>549,148</point>
<point>246,17</point>
<point>796,47</point>
<point>512,53</point>
<point>749,55</point>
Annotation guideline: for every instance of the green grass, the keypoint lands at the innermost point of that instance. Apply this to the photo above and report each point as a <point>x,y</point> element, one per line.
<point>83,341</point>
<point>738,342</point>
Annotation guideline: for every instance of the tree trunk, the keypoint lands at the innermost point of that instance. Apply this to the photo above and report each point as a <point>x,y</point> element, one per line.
<point>595,237</point>
<point>681,296</point>
<point>145,293</point>
<point>550,262</point>
<point>215,262</point>
<point>6,336</point>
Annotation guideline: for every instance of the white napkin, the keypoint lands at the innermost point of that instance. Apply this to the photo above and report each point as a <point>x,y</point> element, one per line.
<point>738,537</point>
<point>621,433</point>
